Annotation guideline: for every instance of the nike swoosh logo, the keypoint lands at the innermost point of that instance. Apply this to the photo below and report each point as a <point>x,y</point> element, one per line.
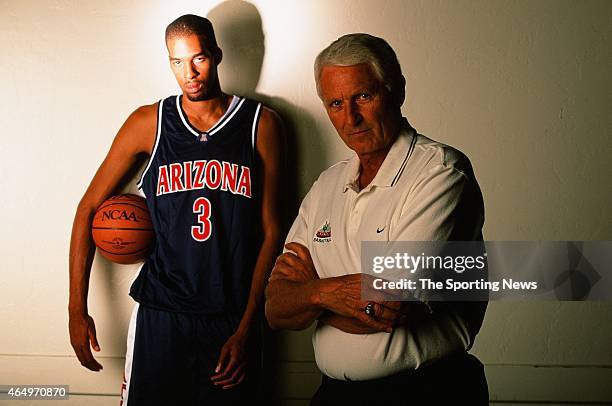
<point>380,230</point>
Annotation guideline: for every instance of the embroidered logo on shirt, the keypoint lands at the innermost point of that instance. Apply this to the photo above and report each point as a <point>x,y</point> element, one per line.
<point>380,230</point>
<point>323,234</point>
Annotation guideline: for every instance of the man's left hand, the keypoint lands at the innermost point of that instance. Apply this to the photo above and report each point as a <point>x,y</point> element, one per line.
<point>231,368</point>
<point>294,265</point>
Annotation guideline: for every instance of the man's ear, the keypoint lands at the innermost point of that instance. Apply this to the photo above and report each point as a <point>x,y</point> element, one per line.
<point>401,92</point>
<point>218,56</point>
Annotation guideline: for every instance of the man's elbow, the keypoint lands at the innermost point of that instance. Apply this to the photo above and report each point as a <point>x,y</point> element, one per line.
<point>270,309</point>
<point>277,321</point>
<point>86,206</point>
<point>271,317</point>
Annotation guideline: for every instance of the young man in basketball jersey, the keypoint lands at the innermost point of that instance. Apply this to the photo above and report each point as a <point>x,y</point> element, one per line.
<point>212,188</point>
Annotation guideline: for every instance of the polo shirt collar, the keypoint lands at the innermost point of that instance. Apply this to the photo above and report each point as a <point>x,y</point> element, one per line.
<point>392,166</point>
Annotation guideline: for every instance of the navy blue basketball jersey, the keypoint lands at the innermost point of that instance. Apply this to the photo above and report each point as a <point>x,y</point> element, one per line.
<point>201,190</point>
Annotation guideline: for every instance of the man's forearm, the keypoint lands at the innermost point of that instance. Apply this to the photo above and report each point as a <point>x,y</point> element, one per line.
<point>265,261</point>
<point>399,313</point>
<point>292,305</point>
<point>81,256</point>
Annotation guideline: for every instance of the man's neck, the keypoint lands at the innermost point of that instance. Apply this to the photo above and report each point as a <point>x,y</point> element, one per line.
<point>203,108</point>
<point>203,114</point>
<point>369,164</point>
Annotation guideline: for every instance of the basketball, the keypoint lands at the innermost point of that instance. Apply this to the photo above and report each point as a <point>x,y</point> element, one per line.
<point>122,229</point>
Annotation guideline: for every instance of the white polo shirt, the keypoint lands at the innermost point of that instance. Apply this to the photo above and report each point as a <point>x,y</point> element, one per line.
<point>415,196</point>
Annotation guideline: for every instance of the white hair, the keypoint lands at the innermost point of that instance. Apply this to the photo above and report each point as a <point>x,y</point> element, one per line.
<point>355,49</point>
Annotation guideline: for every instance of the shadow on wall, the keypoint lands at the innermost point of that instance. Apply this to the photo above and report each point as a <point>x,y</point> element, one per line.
<point>240,35</point>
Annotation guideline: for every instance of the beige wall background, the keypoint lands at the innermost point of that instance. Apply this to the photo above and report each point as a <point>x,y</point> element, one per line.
<point>522,87</point>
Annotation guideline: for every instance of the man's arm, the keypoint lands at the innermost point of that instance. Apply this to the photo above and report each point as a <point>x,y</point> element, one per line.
<point>297,297</point>
<point>230,370</point>
<point>396,312</point>
<point>292,293</point>
<point>292,305</point>
<point>136,136</point>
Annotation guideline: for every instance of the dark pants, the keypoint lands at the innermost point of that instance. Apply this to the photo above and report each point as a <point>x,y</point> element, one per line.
<point>174,356</point>
<point>456,379</point>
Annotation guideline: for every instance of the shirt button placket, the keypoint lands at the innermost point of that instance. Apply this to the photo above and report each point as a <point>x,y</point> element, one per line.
<point>355,218</point>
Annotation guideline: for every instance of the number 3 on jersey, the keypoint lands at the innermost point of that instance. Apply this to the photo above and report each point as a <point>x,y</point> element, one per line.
<point>201,207</point>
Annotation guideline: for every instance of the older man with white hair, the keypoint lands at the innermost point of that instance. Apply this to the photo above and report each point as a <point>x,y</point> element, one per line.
<point>398,186</point>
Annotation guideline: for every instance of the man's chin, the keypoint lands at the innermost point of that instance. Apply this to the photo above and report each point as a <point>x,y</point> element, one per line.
<point>200,96</point>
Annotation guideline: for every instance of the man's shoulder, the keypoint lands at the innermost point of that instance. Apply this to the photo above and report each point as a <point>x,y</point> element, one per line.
<point>270,139</point>
<point>147,111</point>
<point>330,178</point>
<point>334,173</point>
<point>143,117</point>
<point>431,154</point>
<point>268,115</point>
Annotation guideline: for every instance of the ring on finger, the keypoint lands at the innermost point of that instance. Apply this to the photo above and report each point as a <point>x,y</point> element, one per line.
<point>369,309</point>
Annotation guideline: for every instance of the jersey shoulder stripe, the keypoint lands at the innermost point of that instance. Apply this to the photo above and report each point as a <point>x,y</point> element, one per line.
<point>160,108</point>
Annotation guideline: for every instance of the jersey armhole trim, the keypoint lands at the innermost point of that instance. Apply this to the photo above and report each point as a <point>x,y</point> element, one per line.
<point>255,123</point>
<point>226,119</point>
<point>157,137</point>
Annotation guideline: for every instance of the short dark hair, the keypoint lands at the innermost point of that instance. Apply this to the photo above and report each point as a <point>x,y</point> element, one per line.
<point>190,24</point>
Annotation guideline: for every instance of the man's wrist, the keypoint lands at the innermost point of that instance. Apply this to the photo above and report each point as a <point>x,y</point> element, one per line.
<point>75,310</point>
<point>244,328</point>
<point>314,296</point>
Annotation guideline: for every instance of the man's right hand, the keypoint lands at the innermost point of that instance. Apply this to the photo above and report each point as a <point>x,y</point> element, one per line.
<point>341,295</point>
<point>82,334</point>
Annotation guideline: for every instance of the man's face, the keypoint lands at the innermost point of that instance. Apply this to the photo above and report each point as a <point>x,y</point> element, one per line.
<point>193,66</point>
<point>359,107</point>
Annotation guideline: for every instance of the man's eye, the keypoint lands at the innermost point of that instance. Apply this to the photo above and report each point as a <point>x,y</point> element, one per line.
<point>176,63</point>
<point>364,96</point>
<point>335,103</point>
<point>199,59</point>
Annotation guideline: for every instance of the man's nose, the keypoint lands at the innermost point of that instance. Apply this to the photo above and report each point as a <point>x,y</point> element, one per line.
<point>189,71</point>
<point>353,115</point>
